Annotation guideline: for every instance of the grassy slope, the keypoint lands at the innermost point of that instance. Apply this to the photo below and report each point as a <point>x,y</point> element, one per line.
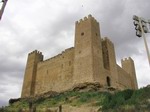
<point>124,100</point>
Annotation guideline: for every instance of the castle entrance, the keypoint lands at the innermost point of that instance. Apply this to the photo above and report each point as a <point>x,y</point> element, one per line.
<point>108,81</point>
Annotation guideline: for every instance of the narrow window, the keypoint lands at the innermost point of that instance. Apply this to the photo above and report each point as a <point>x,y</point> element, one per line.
<point>82,33</point>
<point>108,81</point>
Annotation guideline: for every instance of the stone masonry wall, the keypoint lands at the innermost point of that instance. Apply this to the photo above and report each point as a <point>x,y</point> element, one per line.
<point>91,60</point>
<point>124,79</point>
<point>110,60</point>
<point>30,73</point>
<point>55,74</point>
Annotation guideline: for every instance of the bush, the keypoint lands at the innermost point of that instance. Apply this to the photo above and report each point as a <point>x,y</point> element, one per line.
<point>116,100</point>
<point>127,94</point>
<point>2,109</point>
<point>120,100</point>
<point>106,101</point>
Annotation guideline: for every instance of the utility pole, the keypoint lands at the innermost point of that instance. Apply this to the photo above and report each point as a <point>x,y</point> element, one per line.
<point>2,8</point>
<point>142,28</point>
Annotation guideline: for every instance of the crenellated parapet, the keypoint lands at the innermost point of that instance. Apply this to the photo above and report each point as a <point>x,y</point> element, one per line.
<point>30,73</point>
<point>36,55</point>
<point>92,59</point>
<point>126,60</point>
<point>67,50</point>
<point>90,17</point>
<point>35,52</point>
<point>128,66</point>
<point>59,55</point>
<point>106,39</point>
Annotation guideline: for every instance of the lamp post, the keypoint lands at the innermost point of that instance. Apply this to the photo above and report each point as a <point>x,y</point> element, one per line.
<point>3,7</point>
<point>141,28</point>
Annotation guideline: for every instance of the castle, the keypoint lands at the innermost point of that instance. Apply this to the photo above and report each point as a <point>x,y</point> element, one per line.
<point>92,59</point>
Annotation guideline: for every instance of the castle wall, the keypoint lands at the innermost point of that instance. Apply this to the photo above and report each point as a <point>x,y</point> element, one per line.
<point>109,60</point>
<point>124,79</point>
<point>30,73</point>
<point>107,74</point>
<point>55,74</point>
<point>91,60</point>
<point>128,66</point>
<point>98,67</point>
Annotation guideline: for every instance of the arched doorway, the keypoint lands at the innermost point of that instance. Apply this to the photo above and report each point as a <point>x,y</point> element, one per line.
<point>108,81</point>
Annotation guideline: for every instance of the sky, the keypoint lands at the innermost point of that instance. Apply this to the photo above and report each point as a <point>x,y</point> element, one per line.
<point>49,25</point>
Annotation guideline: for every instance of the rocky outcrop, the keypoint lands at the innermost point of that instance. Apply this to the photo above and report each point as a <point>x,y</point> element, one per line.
<point>82,87</point>
<point>86,87</point>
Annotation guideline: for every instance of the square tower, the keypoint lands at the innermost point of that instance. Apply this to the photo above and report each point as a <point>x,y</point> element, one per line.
<point>88,60</point>
<point>128,66</point>
<point>30,73</point>
<point>109,60</point>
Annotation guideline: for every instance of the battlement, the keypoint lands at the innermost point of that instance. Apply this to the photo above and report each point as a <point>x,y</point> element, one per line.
<point>107,40</point>
<point>128,66</point>
<point>90,17</point>
<point>127,63</point>
<point>92,59</point>
<point>127,60</point>
<point>59,55</point>
<point>66,50</point>
<point>35,52</point>
<point>52,58</point>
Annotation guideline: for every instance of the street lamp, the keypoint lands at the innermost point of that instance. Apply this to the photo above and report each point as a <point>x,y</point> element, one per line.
<point>141,27</point>
<point>149,24</point>
<point>3,7</point>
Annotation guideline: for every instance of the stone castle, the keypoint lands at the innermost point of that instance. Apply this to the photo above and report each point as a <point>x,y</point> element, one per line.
<point>92,59</point>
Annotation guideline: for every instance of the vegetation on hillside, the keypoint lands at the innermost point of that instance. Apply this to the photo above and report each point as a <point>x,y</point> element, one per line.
<point>123,100</point>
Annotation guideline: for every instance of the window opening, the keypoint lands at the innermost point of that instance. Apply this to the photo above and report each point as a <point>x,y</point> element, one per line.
<point>108,81</point>
<point>82,33</point>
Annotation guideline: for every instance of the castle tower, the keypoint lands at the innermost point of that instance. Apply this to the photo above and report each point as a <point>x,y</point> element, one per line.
<point>30,73</point>
<point>88,61</point>
<point>128,66</point>
<point>109,60</point>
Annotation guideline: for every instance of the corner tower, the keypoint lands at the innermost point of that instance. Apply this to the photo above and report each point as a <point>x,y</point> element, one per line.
<point>128,66</point>
<point>30,73</point>
<point>88,61</point>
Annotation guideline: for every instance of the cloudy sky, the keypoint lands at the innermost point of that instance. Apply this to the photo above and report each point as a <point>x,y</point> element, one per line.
<point>48,25</point>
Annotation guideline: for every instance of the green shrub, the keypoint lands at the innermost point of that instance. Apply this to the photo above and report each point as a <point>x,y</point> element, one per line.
<point>127,94</point>
<point>123,99</point>
<point>116,100</point>
<point>106,101</point>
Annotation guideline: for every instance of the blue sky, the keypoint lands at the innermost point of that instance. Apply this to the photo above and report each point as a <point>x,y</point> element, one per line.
<point>48,25</point>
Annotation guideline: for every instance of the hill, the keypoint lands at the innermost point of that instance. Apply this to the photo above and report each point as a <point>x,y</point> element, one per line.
<point>87,97</point>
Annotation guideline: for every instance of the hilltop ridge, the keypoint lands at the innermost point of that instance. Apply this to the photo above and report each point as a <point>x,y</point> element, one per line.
<point>86,98</point>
